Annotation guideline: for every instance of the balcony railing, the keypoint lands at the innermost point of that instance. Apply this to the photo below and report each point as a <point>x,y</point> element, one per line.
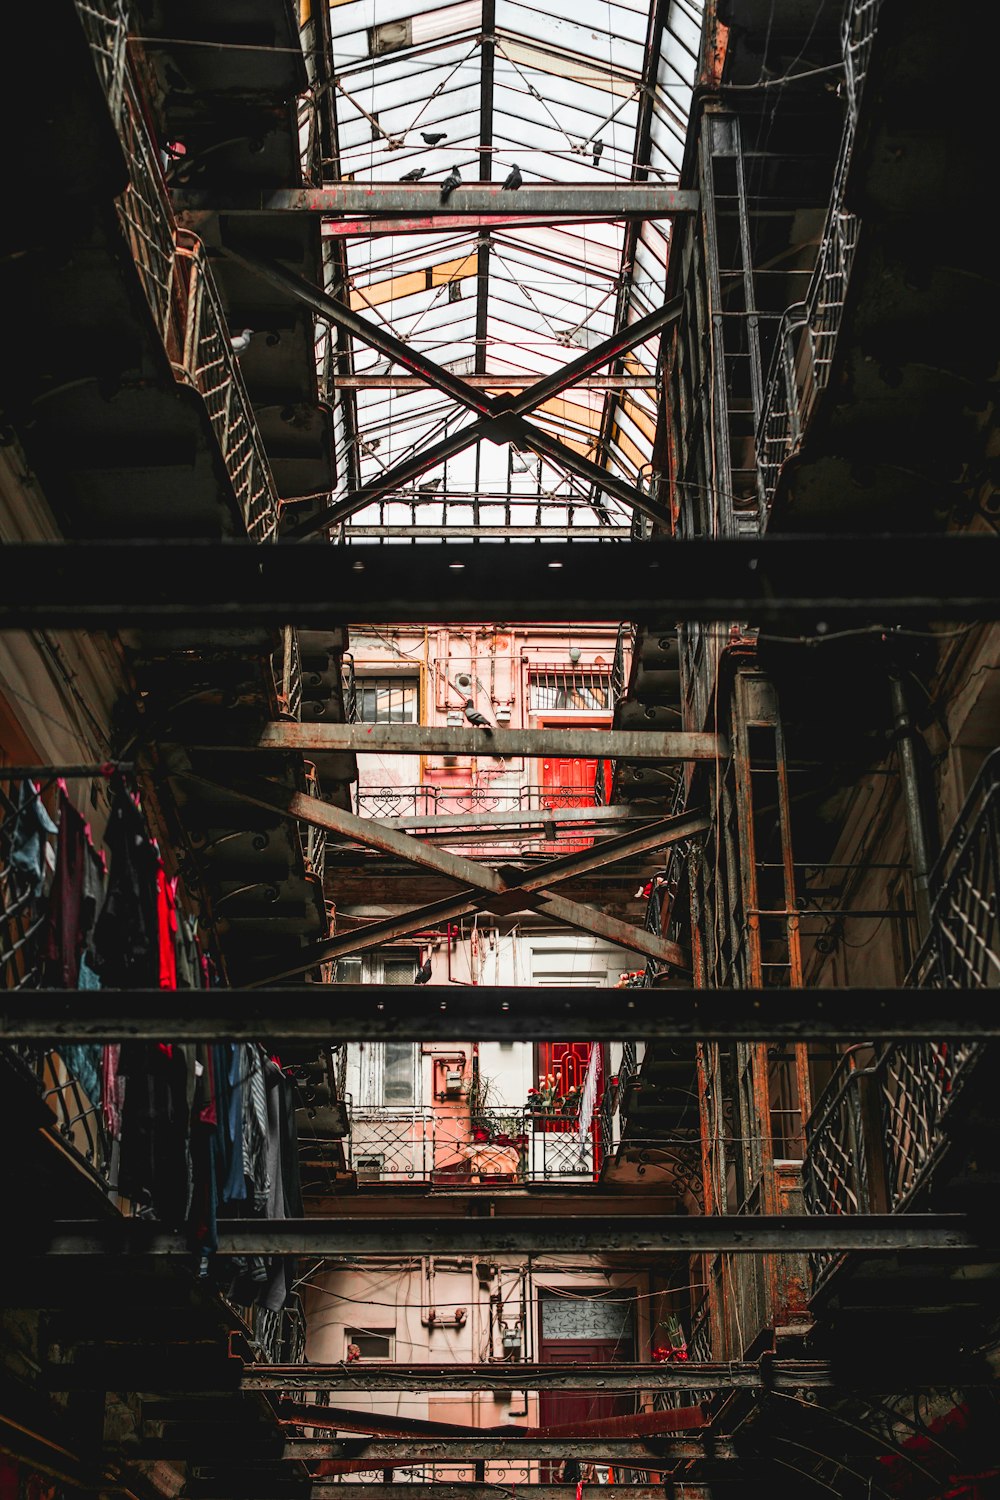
<point>881,1128</point>
<point>179,287</point>
<point>429,799</point>
<point>807,334</point>
<point>390,1143</point>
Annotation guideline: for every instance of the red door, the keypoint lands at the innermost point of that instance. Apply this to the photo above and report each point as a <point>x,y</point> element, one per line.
<point>560,1408</point>
<point>568,781</point>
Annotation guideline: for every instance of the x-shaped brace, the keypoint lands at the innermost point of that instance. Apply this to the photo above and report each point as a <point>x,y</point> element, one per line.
<point>499,419</point>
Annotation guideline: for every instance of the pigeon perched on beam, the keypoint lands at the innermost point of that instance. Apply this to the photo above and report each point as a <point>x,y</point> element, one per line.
<point>474,717</point>
<point>433,136</point>
<point>423,974</point>
<point>513,179</point>
<point>598,151</point>
<point>240,342</point>
<point>451,182</point>
<point>413,176</point>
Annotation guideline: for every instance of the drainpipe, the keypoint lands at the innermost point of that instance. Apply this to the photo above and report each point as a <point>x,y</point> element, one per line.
<point>920,824</point>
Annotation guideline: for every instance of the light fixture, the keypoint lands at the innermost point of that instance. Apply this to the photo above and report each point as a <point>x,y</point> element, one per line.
<point>574,654</point>
<point>456,566</point>
<point>555,563</point>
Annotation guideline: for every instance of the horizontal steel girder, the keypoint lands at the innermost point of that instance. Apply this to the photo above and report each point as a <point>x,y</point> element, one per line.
<point>428,739</point>
<point>400,1451</point>
<point>378,199</point>
<point>494,533</point>
<point>769,1375</point>
<point>794,581</point>
<point>497,383</point>
<point>597,1234</point>
<point>433,1013</point>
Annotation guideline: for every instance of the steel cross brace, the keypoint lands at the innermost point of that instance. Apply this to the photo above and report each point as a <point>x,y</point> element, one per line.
<point>586,1234</point>
<point>396,1452</point>
<point>444,1013</point>
<point>500,418</point>
<point>490,891</point>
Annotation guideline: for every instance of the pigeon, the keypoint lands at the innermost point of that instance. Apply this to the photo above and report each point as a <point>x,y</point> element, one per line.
<point>430,486</point>
<point>451,182</point>
<point>423,974</point>
<point>598,151</point>
<point>433,136</point>
<point>413,176</point>
<point>513,179</point>
<point>474,717</point>
<point>240,342</point>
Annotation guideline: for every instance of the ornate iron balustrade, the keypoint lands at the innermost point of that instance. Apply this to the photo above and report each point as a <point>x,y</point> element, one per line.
<point>878,1131</point>
<point>397,1143</point>
<point>428,799</point>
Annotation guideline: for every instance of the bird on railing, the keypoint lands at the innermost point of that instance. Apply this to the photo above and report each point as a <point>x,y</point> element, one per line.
<point>413,176</point>
<point>598,151</point>
<point>423,974</point>
<point>513,179</point>
<point>450,183</point>
<point>433,136</point>
<point>240,342</point>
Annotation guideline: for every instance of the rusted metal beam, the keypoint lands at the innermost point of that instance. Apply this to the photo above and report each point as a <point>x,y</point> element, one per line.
<point>495,383</point>
<point>529,821</point>
<point>769,1375</point>
<point>341,229</point>
<point>432,739</point>
<point>446,1013</point>
<point>527,891</point>
<point>399,1452</point>
<point>387,199</point>
<point>801,582</point>
<point>495,533</point>
<point>583,1234</point>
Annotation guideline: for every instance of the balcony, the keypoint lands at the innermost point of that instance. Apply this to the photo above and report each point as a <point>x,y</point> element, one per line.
<point>399,1145</point>
<point>881,1136</point>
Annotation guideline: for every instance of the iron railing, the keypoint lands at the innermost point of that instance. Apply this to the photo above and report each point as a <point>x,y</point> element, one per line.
<point>396,1143</point>
<point>207,363</point>
<point>428,799</point>
<point>879,1130</point>
<point>807,334</point>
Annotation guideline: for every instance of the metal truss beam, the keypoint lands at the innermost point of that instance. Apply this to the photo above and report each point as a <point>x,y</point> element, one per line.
<point>429,739</point>
<point>577,1234</point>
<point>493,533</point>
<point>768,1375</point>
<point>529,821</point>
<point>440,1490</point>
<point>497,383</point>
<point>803,582</point>
<point>397,1452</point>
<point>505,413</point>
<point>387,199</point>
<point>523,890</point>
<point>432,1013</point>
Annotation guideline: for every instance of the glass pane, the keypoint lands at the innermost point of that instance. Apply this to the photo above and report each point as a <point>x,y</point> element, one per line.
<point>397,1087</point>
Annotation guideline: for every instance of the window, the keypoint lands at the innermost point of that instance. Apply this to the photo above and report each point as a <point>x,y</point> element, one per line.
<point>397,1073</point>
<point>372,1343</point>
<point>388,700</point>
<point>586,689</point>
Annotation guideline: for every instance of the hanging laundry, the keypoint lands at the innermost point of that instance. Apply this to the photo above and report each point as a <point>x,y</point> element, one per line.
<point>32,828</point>
<point>166,915</point>
<point>188,954</point>
<point>74,899</point>
<point>255,1127</point>
<point>126,938</point>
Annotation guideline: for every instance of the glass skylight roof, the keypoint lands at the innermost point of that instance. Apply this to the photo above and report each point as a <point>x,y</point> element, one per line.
<point>571,92</point>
